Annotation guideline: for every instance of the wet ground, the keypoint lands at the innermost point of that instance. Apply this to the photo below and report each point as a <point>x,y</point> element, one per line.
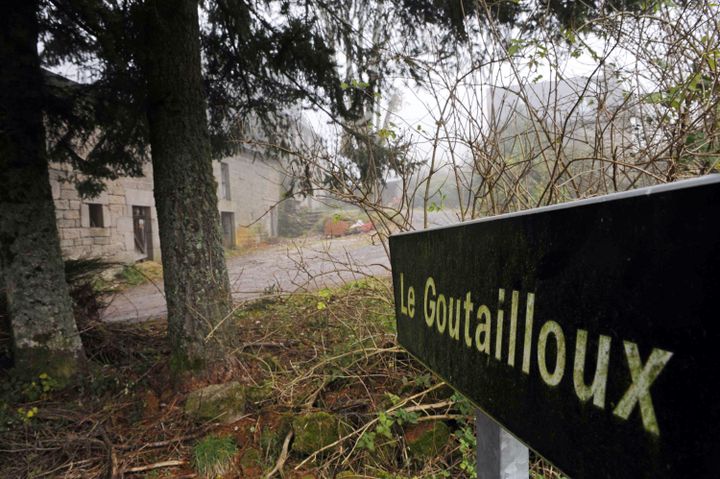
<point>299,265</point>
<point>307,264</point>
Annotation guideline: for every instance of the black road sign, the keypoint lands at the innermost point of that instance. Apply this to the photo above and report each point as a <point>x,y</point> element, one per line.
<point>589,330</point>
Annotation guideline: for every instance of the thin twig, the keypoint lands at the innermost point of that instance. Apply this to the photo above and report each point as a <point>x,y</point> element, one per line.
<point>367,425</point>
<point>283,455</point>
<point>157,465</point>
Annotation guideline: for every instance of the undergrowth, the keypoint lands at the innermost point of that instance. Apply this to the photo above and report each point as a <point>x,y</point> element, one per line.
<point>138,273</point>
<point>332,352</point>
<point>212,456</point>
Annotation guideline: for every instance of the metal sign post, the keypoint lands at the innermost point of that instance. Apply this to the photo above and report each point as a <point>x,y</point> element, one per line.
<point>499,454</point>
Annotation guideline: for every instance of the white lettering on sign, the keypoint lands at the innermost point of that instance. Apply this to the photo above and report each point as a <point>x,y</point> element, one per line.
<point>483,330</point>
<point>429,316</point>
<point>468,311</point>
<point>527,345</point>
<point>499,328</point>
<point>513,327</point>
<point>597,389</point>
<point>558,370</point>
<point>455,314</point>
<point>642,379</point>
<point>408,310</point>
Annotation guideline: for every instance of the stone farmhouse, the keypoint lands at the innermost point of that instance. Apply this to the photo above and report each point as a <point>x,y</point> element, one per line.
<point>121,223</point>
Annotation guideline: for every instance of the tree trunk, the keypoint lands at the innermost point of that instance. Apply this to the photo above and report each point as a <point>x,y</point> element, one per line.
<point>197,288</point>
<point>45,337</point>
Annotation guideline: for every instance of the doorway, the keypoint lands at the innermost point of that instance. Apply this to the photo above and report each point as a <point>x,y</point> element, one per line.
<point>228,228</point>
<point>142,229</point>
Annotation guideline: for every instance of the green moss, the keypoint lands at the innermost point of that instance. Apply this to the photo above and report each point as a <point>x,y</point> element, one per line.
<point>258,394</point>
<point>314,431</point>
<point>251,458</point>
<point>181,362</point>
<point>63,366</point>
<point>425,440</point>
<point>224,402</point>
<point>271,438</point>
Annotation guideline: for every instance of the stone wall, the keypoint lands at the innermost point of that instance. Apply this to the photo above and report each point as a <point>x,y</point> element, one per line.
<point>255,188</point>
<point>115,239</point>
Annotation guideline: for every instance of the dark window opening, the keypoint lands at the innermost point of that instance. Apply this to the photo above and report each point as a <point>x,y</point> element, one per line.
<point>225,180</point>
<point>96,216</point>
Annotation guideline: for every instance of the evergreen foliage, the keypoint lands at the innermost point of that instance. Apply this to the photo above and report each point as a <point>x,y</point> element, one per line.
<point>259,57</point>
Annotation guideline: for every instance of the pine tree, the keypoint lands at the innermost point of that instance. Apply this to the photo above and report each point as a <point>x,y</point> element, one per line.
<point>197,287</point>
<point>45,337</point>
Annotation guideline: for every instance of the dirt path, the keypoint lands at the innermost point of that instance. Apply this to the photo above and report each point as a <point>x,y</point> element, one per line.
<point>290,266</point>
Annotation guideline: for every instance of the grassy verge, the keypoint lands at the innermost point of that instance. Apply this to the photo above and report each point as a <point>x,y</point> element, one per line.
<point>333,396</point>
<point>119,277</point>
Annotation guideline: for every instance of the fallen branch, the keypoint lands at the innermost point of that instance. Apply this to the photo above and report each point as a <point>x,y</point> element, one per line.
<point>168,442</point>
<point>113,469</point>
<point>260,344</point>
<point>157,465</point>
